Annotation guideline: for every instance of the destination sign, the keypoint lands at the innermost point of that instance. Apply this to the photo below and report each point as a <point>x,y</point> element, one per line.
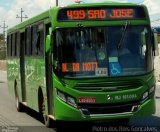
<point>104,13</point>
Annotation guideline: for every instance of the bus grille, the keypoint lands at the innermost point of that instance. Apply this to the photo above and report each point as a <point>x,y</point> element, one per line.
<point>107,86</point>
<point>91,109</point>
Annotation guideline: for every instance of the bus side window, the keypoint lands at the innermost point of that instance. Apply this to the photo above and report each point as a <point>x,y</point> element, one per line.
<point>15,48</point>
<point>9,45</point>
<point>28,41</point>
<point>18,44</point>
<point>38,43</point>
<point>38,39</point>
<point>13,45</point>
<point>34,40</point>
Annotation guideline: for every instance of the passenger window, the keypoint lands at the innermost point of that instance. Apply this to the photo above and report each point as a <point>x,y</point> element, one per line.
<point>28,42</point>
<point>34,39</point>
<point>18,44</point>
<point>13,45</point>
<point>9,45</point>
<point>15,48</point>
<point>38,39</point>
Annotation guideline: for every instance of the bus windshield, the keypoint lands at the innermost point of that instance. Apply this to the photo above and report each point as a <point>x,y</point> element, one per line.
<point>103,51</point>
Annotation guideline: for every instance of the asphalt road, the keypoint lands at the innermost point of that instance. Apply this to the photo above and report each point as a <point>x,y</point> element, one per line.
<point>30,121</point>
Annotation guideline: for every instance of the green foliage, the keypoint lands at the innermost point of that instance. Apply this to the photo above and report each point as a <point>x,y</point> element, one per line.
<point>2,48</point>
<point>2,53</point>
<point>1,37</point>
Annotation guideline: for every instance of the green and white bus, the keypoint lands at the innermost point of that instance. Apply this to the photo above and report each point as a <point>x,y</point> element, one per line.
<point>84,62</point>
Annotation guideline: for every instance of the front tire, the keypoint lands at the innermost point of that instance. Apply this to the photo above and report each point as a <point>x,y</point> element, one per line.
<point>42,109</point>
<point>47,121</point>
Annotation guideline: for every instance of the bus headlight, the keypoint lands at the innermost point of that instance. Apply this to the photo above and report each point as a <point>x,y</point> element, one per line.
<point>148,94</point>
<point>66,98</point>
<point>152,90</point>
<point>61,96</point>
<point>71,101</point>
<point>145,96</point>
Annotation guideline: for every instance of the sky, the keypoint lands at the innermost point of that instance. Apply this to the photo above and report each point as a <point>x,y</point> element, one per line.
<point>10,8</point>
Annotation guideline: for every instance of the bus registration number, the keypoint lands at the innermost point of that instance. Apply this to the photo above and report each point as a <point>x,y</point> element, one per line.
<point>88,100</point>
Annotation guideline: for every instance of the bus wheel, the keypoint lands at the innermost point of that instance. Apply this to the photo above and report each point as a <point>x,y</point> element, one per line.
<point>42,109</point>
<point>19,106</point>
<point>47,120</point>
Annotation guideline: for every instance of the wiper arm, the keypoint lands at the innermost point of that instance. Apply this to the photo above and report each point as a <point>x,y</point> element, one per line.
<point>123,35</point>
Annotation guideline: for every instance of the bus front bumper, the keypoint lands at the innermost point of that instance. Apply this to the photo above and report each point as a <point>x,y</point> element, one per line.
<point>66,112</point>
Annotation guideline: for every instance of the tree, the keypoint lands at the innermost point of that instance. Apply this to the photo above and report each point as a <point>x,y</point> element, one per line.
<point>2,39</point>
<point>2,47</point>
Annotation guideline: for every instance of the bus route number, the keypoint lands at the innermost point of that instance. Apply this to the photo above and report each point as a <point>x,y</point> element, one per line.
<point>76,14</point>
<point>91,14</point>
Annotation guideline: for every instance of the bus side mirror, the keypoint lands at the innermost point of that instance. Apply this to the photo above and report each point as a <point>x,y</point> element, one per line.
<point>48,43</point>
<point>48,40</point>
<point>155,42</point>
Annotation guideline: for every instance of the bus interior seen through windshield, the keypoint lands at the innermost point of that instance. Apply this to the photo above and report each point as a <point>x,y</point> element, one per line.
<point>103,51</point>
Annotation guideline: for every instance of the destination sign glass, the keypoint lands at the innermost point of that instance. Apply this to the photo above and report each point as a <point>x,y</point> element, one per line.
<point>101,13</point>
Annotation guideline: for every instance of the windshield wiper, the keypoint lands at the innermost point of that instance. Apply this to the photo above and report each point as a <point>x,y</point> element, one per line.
<point>123,35</point>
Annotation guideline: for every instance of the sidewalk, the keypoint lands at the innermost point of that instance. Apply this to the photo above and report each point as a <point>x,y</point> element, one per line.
<point>3,76</point>
<point>2,64</point>
<point>158,83</point>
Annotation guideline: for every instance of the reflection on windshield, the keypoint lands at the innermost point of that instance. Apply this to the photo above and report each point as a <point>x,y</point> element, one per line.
<point>86,52</point>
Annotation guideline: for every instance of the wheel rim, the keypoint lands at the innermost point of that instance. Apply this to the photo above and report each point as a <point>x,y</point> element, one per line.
<point>44,113</point>
<point>45,117</point>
